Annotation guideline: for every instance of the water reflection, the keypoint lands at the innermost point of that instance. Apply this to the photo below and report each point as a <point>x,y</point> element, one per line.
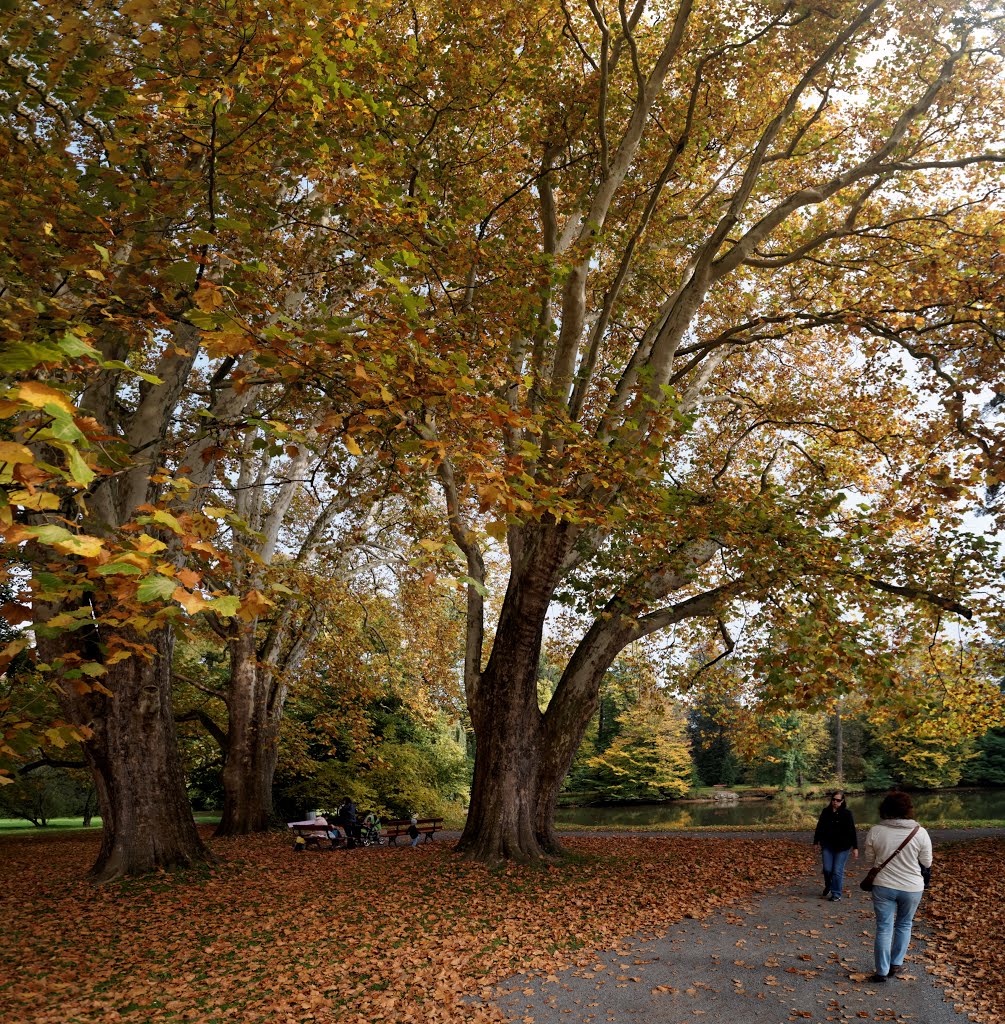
<point>790,811</point>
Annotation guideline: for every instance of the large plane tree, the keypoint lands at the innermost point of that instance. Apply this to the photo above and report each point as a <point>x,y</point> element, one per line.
<point>713,289</point>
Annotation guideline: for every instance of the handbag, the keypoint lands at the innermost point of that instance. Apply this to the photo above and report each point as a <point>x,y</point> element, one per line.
<point>869,880</point>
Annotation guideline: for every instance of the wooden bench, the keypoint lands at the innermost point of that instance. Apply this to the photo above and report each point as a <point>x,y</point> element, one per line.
<point>399,827</point>
<point>314,833</point>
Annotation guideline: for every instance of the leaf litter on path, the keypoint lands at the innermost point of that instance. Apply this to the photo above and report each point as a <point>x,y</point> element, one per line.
<point>369,935</point>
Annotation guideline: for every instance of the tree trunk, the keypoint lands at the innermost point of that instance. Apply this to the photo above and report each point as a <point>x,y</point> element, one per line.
<point>549,785</point>
<point>88,811</point>
<point>147,822</point>
<point>255,707</point>
<point>839,746</point>
<point>522,756</point>
<point>507,722</point>
<point>501,822</point>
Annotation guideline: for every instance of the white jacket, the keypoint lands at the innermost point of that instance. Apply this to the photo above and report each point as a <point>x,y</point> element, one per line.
<point>902,872</point>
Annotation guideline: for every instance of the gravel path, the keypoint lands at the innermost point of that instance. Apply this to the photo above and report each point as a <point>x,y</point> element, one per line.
<point>784,955</point>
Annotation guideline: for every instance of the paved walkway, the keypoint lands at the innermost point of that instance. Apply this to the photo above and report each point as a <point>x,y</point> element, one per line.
<point>785,955</point>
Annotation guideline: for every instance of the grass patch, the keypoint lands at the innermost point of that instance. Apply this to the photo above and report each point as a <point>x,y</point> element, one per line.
<point>22,828</point>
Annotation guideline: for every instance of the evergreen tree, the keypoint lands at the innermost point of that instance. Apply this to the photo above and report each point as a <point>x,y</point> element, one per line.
<point>715,758</point>
<point>988,768</point>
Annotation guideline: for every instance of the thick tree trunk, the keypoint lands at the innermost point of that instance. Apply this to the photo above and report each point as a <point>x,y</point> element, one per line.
<point>502,818</point>
<point>521,760</point>
<point>521,755</point>
<point>147,822</point>
<point>549,785</point>
<point>508,725</point>
<point>254,708</point>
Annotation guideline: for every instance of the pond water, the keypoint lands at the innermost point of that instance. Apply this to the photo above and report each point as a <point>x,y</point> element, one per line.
<point>930,809</point>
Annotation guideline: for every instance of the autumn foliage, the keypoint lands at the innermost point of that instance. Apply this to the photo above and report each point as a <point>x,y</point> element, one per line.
<point>687,310</point>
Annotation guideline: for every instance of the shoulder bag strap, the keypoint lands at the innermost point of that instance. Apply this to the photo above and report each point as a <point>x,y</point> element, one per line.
<point>914,832</point>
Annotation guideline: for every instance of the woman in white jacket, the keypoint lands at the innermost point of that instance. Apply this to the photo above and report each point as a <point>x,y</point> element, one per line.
<point>900,884</point>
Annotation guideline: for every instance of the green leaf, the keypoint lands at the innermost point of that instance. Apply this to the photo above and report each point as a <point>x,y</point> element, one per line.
<point>242,227</point>
<point>119,569</point>
<point>79,471</point>
<point>117,364</point>
<point>50,534</point>
<point>183,272</point>
<point>225,606</point>
<point>477,584</point>
<point>156,588</point>
<point>75,347</point>
<point>62,428</point>
<point>24,355</point>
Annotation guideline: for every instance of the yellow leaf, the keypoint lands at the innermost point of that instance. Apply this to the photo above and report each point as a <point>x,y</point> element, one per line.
<point>168,520</point>
<point>253,605</point>
<point>208,297</point>
<point>38,501</point>
<point>15,453</point>
<point>497,529</point>
<point>39,395</point>
<point>227,343</point>
<point>55,737</point>
<point>351,447</point>
<point>80,544</point>
<point>147,545</point>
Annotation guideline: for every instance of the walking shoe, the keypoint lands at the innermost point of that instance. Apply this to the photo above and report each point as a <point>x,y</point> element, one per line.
<point>825,894</point>
<point>877,977</point>
<point>896,968</point>
<point>834,897</point>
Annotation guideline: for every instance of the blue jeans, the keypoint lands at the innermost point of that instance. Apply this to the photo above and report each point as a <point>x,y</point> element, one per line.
<point>834,862</point>
<point>894,915</point>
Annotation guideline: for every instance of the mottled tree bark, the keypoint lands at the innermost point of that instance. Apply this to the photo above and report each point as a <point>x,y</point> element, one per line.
<point>255,707</point>
<point>132,750</point>
<point>522,754</point>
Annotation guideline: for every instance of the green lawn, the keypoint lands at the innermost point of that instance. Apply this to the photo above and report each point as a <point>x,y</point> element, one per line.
<point>14,826</point>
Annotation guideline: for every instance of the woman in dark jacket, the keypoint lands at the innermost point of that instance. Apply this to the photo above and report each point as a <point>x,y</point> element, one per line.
<point>347,819</point>
<point>837,838</point>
